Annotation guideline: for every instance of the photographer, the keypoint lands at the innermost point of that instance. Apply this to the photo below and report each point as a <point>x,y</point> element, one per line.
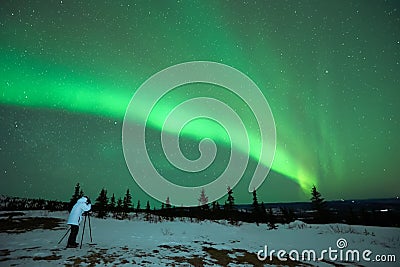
<point>75,217</point>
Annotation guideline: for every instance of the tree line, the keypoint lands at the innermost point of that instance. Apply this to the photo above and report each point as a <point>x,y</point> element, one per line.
<point>120,208</point>
<point>319,211</point>
<point>259,214</point>
<point>16,203</point>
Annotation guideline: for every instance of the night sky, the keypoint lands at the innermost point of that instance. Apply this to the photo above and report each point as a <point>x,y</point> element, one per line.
<point>330,71</point>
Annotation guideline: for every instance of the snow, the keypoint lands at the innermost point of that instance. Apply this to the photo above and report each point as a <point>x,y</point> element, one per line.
<point>137,242</point>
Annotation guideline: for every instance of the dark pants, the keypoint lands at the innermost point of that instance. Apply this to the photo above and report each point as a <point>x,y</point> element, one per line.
<point>73,234</point>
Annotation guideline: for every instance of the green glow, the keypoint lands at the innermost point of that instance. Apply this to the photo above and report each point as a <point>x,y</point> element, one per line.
<point>77,95</point>
<point>332,87</point>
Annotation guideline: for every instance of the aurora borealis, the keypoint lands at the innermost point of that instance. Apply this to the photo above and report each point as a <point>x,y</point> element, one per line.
<point>329,70</point>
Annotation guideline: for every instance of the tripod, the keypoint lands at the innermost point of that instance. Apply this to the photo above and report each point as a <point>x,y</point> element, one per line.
<point>86,214</point>
<point>69,229</point>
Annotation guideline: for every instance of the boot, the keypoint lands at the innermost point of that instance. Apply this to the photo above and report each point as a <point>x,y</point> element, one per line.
<point>75,245</point>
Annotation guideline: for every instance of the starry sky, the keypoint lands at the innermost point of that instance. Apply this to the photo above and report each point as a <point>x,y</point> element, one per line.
<point>330,71</point>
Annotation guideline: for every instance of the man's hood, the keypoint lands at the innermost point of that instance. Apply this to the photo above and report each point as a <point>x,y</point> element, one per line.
<point>82,200</point>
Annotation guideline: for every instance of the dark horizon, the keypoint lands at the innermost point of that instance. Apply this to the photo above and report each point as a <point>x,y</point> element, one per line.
<point>134,201</point>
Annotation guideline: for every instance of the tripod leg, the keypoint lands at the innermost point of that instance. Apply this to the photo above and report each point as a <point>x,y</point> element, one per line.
<point>69,229</point>
<point>90,230</point>
<point>83,231</point>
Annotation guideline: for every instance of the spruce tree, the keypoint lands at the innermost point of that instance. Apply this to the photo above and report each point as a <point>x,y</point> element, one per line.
<point>216,210</point>
<point>127,202</point>
<point>148,209</point>
<point>118,208</point>
<point>148,206</point>
<point>203,200</point>
<point>138,206</point>
<point>111,207</point>
<point>230,207</point>
<point>167,203</point>
<point>231,200</point>
<point>256,208</point>
<point>167,212</point>
<point>319,205</point>
<point>102,204</point>
<point>215,206</point>
<point>255,201</point>
<point>75,197</point>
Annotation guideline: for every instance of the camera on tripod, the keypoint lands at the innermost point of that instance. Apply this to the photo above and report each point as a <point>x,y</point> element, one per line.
<point>87,213</point>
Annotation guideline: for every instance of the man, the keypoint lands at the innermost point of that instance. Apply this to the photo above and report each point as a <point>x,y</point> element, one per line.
<point>75,217</point>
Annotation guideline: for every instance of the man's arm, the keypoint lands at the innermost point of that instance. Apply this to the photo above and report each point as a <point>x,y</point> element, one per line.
<point>86,207</point>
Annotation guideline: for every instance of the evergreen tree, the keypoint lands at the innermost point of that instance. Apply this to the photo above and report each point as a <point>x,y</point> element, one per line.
<point>231,200</point>
<point>172,213</point>
<point>118,208</point>
<point>316,198</point>
<point>148,209</point>
<point>127,202</point>
<point>203,200</point>
<point>111,207</point>
<point>168,211</point>
<point>75,197</point>
<point>138,205</point>
<point>215,207</point>
<point>102,204</point>
<point>319,205</point>
<point>230,207</point>
<point>256,208</point>
<point>148,206</point>
<point>255,201</point>
<point>216,210</point>
<point>167,203</point>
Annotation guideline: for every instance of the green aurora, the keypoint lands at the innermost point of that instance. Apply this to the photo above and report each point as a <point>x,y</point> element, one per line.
<point>330,72</point>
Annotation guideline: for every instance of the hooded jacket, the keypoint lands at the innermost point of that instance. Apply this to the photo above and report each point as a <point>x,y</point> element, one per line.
<point>75,217</point>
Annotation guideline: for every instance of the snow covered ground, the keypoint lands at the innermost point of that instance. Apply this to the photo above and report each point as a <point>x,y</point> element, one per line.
<point>31,240</point>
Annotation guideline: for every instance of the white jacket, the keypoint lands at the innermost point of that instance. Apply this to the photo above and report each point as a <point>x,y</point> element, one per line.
<point>75,217</point>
